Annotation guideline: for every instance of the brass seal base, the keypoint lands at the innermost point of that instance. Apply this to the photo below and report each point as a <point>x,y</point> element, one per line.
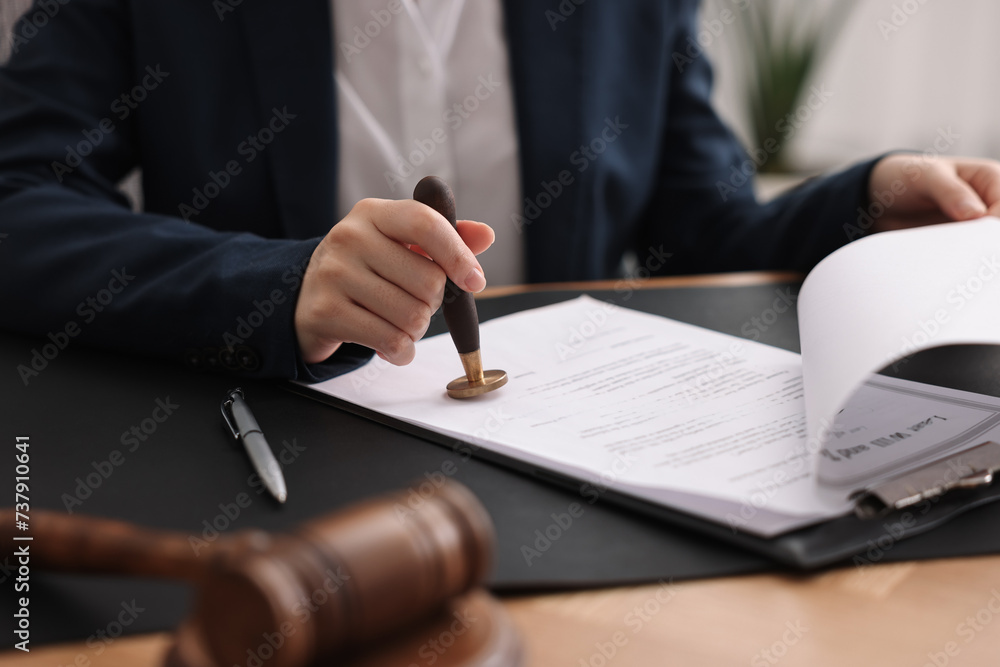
<point>476,382</point>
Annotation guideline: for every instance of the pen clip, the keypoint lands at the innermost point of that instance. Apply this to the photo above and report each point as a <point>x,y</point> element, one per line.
<point>226,409</point>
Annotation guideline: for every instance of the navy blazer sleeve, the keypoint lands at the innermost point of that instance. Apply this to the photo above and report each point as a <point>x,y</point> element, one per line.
<point>705,204</point>
<point>77,262</point>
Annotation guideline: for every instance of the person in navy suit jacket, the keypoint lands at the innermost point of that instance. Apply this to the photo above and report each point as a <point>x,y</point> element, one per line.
<point>265,284</point>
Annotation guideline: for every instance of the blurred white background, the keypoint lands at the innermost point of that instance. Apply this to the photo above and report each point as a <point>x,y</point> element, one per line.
<point>900,71</point>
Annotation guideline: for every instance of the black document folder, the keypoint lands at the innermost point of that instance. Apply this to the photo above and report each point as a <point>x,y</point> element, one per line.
<point>863,541</point>
<point>186,474</point>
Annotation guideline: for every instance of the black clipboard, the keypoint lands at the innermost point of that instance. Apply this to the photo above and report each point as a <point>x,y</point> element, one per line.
<point>865,540</point>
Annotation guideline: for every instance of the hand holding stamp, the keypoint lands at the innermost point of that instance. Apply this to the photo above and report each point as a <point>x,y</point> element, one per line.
<point>459,307</point>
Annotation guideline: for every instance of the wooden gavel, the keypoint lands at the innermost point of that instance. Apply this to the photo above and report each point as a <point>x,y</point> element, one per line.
<point>335,584</point>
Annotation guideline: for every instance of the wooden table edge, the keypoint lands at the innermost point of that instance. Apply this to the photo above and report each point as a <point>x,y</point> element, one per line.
<point>740,279</point>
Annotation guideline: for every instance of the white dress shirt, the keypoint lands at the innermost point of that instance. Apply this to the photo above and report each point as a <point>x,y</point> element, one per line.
<point>423,88</point>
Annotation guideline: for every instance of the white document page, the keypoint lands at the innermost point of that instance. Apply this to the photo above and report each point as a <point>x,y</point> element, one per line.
<point>672,413</point>
<point>889,426</point>
<point>888,295</point>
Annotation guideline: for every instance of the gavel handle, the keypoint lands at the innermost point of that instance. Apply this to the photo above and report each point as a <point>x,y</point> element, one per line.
<point>85,544</point>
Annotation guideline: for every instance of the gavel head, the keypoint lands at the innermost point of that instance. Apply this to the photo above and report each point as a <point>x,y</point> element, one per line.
<point>342,581</point>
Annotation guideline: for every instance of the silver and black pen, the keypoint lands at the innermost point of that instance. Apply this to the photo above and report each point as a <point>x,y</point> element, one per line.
<point>241,422</point>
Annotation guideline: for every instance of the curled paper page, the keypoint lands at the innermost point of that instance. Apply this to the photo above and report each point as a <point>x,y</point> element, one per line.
<point>876,301</point>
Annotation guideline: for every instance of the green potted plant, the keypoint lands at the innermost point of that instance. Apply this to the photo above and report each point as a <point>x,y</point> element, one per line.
<point>781,43</point>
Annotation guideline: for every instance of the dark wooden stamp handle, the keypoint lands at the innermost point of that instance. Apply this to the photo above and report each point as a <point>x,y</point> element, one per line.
<point>459,306</point>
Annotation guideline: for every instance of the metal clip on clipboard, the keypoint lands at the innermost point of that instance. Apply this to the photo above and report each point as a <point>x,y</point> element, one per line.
<point>970,469</point>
